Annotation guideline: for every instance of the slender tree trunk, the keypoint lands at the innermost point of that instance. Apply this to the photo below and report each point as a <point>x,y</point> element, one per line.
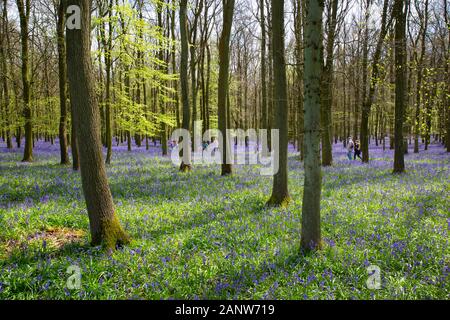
<point>107,43</point>
<point>400,13</point>
<point>104,224</point>
<point>208,81</point>
<point>368,101</point>
<point>311,234</point>
<point>280,194</point>
<point>419,62</point>
<point>447,67</point>
<point>62,65</point>
<point>24,8</point>
<point>184,79</point>
<point>299,12</point>
<point>5,73</point>
<point>264,108</point>
<point>174,67</point>
<point>327,89</point>
<point>223,90</point>
<point>159,93</point>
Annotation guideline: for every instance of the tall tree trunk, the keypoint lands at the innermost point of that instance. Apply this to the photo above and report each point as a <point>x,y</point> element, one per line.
<point>447,67</point>
<point>208,81</point>
<point>419,94</point>
<point>327,89</point>
<point>104,224</point>
<point>174,67</point>
<point>280,194</point>
<point>62,65</point>
<point>264,108</point>
<point>107,44</point>
<point>368,101</point>
<point>161,101</point>
<point>223,89</point>
<point>400,13</point>
<point>5,73</point>
<point>184,79</point>
<point>299,12</point>
<point>311,234</point>
<point>24,9</point>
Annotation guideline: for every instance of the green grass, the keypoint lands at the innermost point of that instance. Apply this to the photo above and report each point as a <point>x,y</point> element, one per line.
<point>199,235</point>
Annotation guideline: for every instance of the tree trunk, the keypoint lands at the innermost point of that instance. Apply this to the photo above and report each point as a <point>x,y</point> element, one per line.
<point>24,8</point>
<point>327,89</point>
<point>311,234</point>
<point>164,69</point>
<point>264,109</point>
<point>3,56</point>
<point>62,65</point>
<point>104,224</point>
<point>400,13</point>
<point>184,79</point>
<point>368,101</point>
<point>224,63</point>
<point>280,194</point>
<point>299,12</point>
<point>174,63</point>
<point>107,43</point>
<point>447,67</point>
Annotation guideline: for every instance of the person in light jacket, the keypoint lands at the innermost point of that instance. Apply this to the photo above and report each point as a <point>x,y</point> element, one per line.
<point>350,148</point>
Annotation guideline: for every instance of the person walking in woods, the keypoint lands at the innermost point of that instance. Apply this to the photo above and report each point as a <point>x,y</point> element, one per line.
<point>357,150</point>
<point>350,148</point>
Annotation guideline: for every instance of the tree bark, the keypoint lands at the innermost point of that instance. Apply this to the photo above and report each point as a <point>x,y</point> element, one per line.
<point>62,67</point>
<point>223,89</point>
<point>264,108</point>
<point>3,56</point>
<point>447,67</point>
<point>311,234</point>
<point>107,44</point>
<point>419,100</point>
<point>327,87</point>
<point>280,194</point>
<point>400,13</point>
<point>24,8</point>
<point>185,167</point>
<point>299,12</point>
<point>104,224</point>
<point>368,101</point>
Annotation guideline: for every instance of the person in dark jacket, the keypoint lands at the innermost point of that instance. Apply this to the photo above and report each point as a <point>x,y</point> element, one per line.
<point>357,150</point>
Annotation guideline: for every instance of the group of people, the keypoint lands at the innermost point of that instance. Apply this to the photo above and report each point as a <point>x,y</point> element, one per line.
<point>353,149</point>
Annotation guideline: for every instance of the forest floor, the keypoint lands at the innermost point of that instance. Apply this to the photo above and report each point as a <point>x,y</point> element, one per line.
<point>199,235</point>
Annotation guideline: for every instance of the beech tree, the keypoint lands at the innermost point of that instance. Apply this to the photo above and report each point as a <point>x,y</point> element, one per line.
<point>400,12</point>
<point>327,86</point>
<point>104,223</point>
<point>368,101</point>
<point>62,68</point>
<point>311,234</point>
<point>280,194</point>
<point>24,8</point>
<point>186,122</point>
<point>224,63</point>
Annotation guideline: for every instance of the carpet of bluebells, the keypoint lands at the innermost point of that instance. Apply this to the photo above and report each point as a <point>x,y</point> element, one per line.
<point>201,236</point>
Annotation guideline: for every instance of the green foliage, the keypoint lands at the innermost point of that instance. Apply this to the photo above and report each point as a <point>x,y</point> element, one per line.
<point>135,47</point>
